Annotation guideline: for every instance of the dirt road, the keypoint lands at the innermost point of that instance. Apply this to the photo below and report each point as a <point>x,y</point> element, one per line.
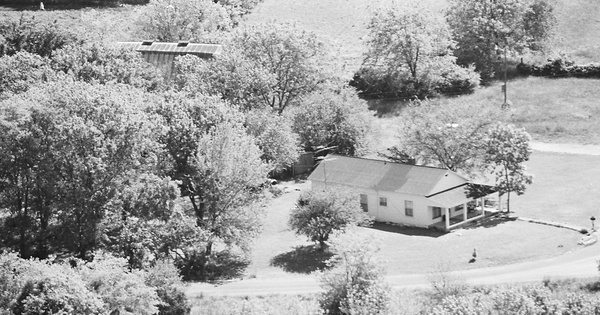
<point>581,263</point>
<point>567,148</point>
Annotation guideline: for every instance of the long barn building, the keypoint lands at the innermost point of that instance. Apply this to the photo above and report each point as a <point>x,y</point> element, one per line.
<point>162,55</point>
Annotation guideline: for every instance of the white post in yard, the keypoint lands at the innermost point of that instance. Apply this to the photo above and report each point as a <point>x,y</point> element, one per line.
<point>465,210</point>
<point>447,218</point>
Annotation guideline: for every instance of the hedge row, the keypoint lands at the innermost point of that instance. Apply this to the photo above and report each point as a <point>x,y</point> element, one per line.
<point>560,67</point>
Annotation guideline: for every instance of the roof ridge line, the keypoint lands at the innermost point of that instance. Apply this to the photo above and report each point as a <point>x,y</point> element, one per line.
<point>445,190</point>
<point>392,162</point>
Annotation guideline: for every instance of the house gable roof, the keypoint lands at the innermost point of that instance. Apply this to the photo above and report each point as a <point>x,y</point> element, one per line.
<point>386,176</point>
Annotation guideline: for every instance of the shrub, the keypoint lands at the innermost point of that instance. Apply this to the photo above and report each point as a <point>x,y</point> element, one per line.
<point>120,289</point>
<point>543,300</point>
<point>53,289</point>
<point>12,270</point>
<point>104,64</point>
<point>31,36</point>
<point>576,304</point>
<point>320,213</point>
<point>446,78</point>
<point>513,301</point>
<point>355,283</point>
<point>372,300</point>
<point>167,281</point>
<point>561,67</point>
<point>445,284</point>
<point>21,70</point>
<point>461,305</point>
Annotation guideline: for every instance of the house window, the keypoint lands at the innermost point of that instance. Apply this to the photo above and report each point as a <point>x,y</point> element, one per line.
<point>437,212</point>
<point>383,201</point>
<point>408,208</point>
<point>364,202</point>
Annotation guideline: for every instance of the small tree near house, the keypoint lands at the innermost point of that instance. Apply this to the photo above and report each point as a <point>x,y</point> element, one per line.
<point>319,213</point>
<point>507,148</point>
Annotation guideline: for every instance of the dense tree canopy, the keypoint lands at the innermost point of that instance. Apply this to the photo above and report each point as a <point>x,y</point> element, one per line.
<point>334,118</point>
<point>486,29</point>
<point>445,135</point>
<point>65,148</point>
<point>410,54</point>
<point>268,65</point>
<point>183,20</point>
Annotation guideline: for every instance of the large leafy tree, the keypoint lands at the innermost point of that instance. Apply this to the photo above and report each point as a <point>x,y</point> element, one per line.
<point>320,213</point>
<point>228,172</point>
<point>65,149</point>
<point>447,135</point>
<point>219,166</point>
<point>267,65</point>
<point>486,30</point>
<point>411,55</point>
<point>339,118</point>
<point>275,137</point>
<point>507,148</point>
<point>410,41</point>
<point>103,63</point>
<point>183,20</point>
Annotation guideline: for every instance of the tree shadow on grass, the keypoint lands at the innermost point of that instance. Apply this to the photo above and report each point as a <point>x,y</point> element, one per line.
<point>407,230</point>
<point>302,259</point>
<point>489,222</point>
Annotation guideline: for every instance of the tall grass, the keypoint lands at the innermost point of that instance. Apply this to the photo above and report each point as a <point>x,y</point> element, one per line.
<point>551,110</point>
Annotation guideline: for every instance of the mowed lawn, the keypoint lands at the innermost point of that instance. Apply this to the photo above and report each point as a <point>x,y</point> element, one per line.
<point>278,251</point>
<point>566,189</point>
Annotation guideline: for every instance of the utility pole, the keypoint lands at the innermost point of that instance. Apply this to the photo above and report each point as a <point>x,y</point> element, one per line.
<point>505,105</point>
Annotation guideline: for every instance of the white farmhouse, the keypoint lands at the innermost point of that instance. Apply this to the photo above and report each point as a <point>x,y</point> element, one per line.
<point>407,194</point>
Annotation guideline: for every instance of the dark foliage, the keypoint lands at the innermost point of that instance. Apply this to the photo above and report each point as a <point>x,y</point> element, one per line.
<point>561,68</point>
<point>376,84</point>
<point>33,36</point>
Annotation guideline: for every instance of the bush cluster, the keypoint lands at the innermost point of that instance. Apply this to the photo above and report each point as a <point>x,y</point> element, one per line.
<point>103,286</point>
<point>373,83</point>
<point>561,67</point>
<point>29,35</point>
<point>534,299</point>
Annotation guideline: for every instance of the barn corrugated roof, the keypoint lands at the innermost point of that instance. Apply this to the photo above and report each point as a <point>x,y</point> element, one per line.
<point>202,50</point>
<point>386,176</point>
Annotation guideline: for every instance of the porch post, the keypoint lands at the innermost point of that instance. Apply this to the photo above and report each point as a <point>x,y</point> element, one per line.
<point>465,210</point>
<point>482,205</point>
<point>499,202</point>
<point>447,218</point>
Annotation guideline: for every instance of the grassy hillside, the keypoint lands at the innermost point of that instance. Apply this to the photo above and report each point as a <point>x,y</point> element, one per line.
<point>343,22</point>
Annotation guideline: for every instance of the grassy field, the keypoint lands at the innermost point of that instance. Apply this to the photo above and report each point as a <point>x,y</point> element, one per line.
<point>343,22</point>
<point>107,24</point>
<point>551,110</point>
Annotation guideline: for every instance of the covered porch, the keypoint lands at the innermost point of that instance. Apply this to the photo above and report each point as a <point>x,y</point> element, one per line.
<point>476,202</point>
